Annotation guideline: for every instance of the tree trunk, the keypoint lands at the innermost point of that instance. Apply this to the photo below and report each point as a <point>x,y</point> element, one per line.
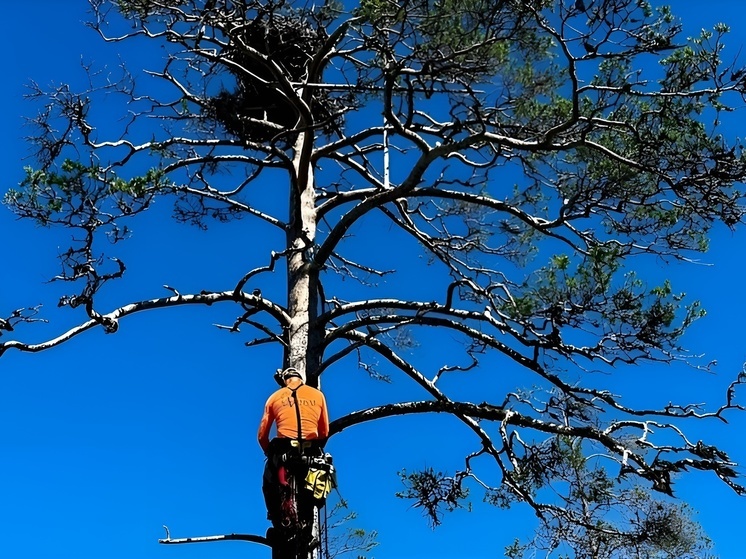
<point>303,351</point>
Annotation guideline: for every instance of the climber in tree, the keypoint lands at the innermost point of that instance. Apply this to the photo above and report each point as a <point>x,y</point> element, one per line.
<point>300,415</point>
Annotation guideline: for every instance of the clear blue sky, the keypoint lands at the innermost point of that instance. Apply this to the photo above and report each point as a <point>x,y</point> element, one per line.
<point>105,439</point>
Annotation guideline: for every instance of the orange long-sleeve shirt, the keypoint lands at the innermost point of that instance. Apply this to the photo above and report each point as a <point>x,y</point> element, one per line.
<point>280,410</point>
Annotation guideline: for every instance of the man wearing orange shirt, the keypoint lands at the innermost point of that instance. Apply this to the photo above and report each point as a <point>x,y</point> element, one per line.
<point>300,416</point>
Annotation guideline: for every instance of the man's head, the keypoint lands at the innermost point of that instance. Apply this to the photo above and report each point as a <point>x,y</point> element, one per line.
<point>283,377</point>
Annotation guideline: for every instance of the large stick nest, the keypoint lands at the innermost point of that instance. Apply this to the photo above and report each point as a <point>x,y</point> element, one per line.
<point>291,42</point>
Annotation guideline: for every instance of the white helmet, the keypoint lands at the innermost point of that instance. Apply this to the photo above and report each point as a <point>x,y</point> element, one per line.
<point>282,375</point>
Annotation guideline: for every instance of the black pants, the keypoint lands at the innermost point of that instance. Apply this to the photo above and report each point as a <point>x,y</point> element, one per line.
<point>285,453</point>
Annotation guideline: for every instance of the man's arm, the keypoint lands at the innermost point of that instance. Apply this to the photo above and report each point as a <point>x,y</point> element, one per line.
<point>265,425</point>
<point>323,426</point>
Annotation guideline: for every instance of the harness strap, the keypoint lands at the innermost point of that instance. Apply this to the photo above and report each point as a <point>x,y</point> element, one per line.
<point>297,415</point>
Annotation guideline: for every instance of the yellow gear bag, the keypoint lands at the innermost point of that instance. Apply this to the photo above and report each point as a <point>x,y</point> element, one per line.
<point>319,482</point>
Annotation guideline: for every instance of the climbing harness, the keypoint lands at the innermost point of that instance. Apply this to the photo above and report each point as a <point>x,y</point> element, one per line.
<point>320,476</point>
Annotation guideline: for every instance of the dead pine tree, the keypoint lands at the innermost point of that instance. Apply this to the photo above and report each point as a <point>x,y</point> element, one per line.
<point>526,151</point>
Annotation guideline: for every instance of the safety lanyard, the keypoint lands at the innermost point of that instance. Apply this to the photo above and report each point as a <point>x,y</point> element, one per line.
<point>297,415</point>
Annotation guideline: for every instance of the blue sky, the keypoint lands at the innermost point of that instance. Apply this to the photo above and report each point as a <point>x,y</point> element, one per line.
<point>107,438</point>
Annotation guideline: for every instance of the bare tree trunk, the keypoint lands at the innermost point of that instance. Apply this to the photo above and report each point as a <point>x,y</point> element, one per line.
<point>303,351</point>
<point>303,277</point>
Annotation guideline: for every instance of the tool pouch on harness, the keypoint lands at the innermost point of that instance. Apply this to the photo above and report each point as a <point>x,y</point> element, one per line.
<point>321,478</point>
